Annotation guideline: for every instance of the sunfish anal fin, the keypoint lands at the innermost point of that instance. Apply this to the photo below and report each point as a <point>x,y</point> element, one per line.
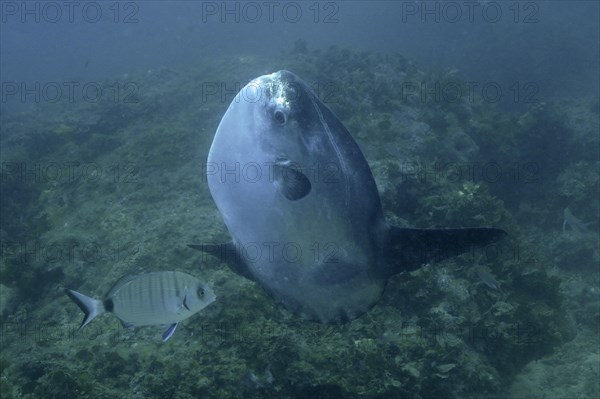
<point>411,248</point>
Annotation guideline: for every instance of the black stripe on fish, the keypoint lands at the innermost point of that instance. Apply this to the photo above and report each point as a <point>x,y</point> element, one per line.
<point>149,288</point>
<point>162,293</point>
<point>176,281</point>
<point>129,294</point>
<point>109,305</point>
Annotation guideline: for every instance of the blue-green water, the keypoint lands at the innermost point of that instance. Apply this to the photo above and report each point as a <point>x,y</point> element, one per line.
<point>109,182</point>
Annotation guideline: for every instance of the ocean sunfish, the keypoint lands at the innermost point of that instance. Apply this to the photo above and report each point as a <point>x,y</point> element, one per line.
<point>302,208</point>
<point>155,298</point>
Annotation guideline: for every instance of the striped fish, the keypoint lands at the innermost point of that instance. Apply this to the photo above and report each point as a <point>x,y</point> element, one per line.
<point>149,299</point>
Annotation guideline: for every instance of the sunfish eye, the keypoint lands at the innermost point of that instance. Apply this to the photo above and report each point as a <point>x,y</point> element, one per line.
<point>280,116</point>
<point>200,292</point>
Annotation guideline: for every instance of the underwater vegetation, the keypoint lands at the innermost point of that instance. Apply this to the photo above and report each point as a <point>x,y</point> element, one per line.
<point>135,195</point>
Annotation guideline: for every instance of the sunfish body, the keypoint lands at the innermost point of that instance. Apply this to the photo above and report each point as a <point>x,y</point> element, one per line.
<point>149,299</point>
<point>302,207</point>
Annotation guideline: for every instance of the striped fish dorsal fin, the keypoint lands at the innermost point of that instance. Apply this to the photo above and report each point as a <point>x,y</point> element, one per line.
<point>120,283</point>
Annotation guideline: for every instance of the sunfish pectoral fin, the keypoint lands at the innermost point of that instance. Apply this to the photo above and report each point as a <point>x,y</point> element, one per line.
<point>410,248</point>
<point>292,183</point>
<point>228,253</point>
<point>91,307</point>
<point>169,332</point>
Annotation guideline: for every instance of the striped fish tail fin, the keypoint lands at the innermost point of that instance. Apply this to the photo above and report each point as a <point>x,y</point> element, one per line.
<point>91,307</point>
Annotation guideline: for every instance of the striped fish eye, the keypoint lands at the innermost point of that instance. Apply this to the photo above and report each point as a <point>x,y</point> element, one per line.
<point>200,292</point>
